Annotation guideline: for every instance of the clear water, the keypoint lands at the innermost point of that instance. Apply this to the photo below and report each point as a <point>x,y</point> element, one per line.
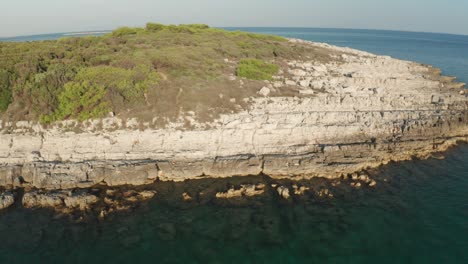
<point>445,51</point>
<point>419,216</point>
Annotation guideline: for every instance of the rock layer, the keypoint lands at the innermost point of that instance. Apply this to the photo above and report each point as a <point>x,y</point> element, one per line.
<point>357,111</point>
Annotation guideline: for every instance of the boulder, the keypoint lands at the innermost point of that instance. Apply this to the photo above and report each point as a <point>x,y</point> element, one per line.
<point>304,83</point>
<point>265,91</point>
<point>325,193</point>
<point>298,72</point>
<point>186,197</point>
<point>300,190</point>
<point>146,195</point>
<point>80,201</point>
<point>6,200</point>
<point>43,200</point>
<point>59,200</point>
<point>247,190</point>
<point>283,192</point>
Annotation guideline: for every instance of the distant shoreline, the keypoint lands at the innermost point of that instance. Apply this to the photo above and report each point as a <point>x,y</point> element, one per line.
<point>86,33</point>
<point>10,38</point>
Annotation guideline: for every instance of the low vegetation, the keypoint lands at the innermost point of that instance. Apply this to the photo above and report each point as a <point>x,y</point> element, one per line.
<point>5,91</point>
<point>152,72</point>
<point>256,69</point>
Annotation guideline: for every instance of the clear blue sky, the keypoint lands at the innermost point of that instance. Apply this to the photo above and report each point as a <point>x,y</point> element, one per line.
<point>23,17</point>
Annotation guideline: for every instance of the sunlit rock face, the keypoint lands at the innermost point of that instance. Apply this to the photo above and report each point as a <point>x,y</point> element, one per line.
<point>356,111</point>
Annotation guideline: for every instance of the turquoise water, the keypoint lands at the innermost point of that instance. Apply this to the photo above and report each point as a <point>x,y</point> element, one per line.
<point>420,215</point>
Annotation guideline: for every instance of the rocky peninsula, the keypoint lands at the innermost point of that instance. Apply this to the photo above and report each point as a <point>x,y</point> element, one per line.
<point>326,112</point>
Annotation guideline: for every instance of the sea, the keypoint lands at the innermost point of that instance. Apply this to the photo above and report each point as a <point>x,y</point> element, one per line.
<point>419,216</point>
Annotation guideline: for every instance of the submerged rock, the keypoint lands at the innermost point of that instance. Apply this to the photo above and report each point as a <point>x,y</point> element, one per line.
<point>186,197</point>
<point>81,201</point>
<point>59,200</point>
<point>7,199</point>
<point>283,192</point>
<point>325,193</point>
<point>300,190</point>
<point>41,200</point>
<point>146,195</point>
<point>247,190</point>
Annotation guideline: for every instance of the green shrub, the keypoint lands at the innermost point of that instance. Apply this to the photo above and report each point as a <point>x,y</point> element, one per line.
<point>129,83</point>
<point>256,69</point>
<point>124,31</point>
<point>101,60</point>
<point>5,91</point>
<point>80,100</point>
<point>154,27</point>
<point>180,29</point>
<point>127,64</point>
<point>196,26</point>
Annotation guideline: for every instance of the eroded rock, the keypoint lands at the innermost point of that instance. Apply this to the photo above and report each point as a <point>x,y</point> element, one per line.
<point>186,197</point>
<point>80,201</point>
<point>300,190</point>
<point>283,192</point>
<point>43,200</point>
<point>246,190</point>
<point>7,199</point>
<point>324,193</point>
<point>59,200</point>
<point>265,91</point>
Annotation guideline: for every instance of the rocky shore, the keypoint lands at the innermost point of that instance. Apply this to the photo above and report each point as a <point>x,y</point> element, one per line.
<point>101,201</point>
<point>329,120</point>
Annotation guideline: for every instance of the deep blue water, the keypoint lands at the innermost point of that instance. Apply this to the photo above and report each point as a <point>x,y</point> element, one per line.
<point>419,216</point>
<point>445,51</point>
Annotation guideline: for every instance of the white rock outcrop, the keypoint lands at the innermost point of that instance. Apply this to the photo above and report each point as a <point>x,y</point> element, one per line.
<point>357,111</point>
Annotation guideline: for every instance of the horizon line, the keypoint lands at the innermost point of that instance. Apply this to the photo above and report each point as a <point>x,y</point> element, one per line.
<point>234,27</point>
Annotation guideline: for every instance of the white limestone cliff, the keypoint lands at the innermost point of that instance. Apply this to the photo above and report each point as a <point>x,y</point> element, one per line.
<point>357,111</point>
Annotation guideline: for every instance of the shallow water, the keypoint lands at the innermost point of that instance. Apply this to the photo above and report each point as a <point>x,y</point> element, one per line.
<point>420,215</point>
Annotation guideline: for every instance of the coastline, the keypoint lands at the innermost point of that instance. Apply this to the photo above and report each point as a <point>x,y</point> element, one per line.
<point>344,142</point>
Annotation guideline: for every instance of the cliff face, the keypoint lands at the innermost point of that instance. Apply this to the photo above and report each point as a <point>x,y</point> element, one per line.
<point>357,111</point>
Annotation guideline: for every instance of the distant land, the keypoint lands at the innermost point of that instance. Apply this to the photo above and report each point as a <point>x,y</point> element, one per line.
<point>52,36</point>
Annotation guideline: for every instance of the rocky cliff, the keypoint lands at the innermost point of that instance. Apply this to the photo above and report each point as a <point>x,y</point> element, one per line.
<point>314,119</point>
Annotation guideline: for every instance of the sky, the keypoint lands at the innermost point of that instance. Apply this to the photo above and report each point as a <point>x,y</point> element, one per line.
<point>27,17</point>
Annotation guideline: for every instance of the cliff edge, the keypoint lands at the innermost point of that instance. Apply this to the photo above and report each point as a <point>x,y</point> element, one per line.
<point>325,112</point>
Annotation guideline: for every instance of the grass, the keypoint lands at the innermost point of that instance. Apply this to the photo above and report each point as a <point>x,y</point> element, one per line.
<point>154,72</point>
<point>255,69</point>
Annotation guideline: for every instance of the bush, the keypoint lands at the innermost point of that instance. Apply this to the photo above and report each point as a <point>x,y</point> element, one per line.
<point>154,27</point>
<point>256,69</point>
<point>125,63</point>
<point>124,31</point>
<point>5,91</point>
<point>196,26</point>
<point>80,100</point>
<point>129,83</point>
